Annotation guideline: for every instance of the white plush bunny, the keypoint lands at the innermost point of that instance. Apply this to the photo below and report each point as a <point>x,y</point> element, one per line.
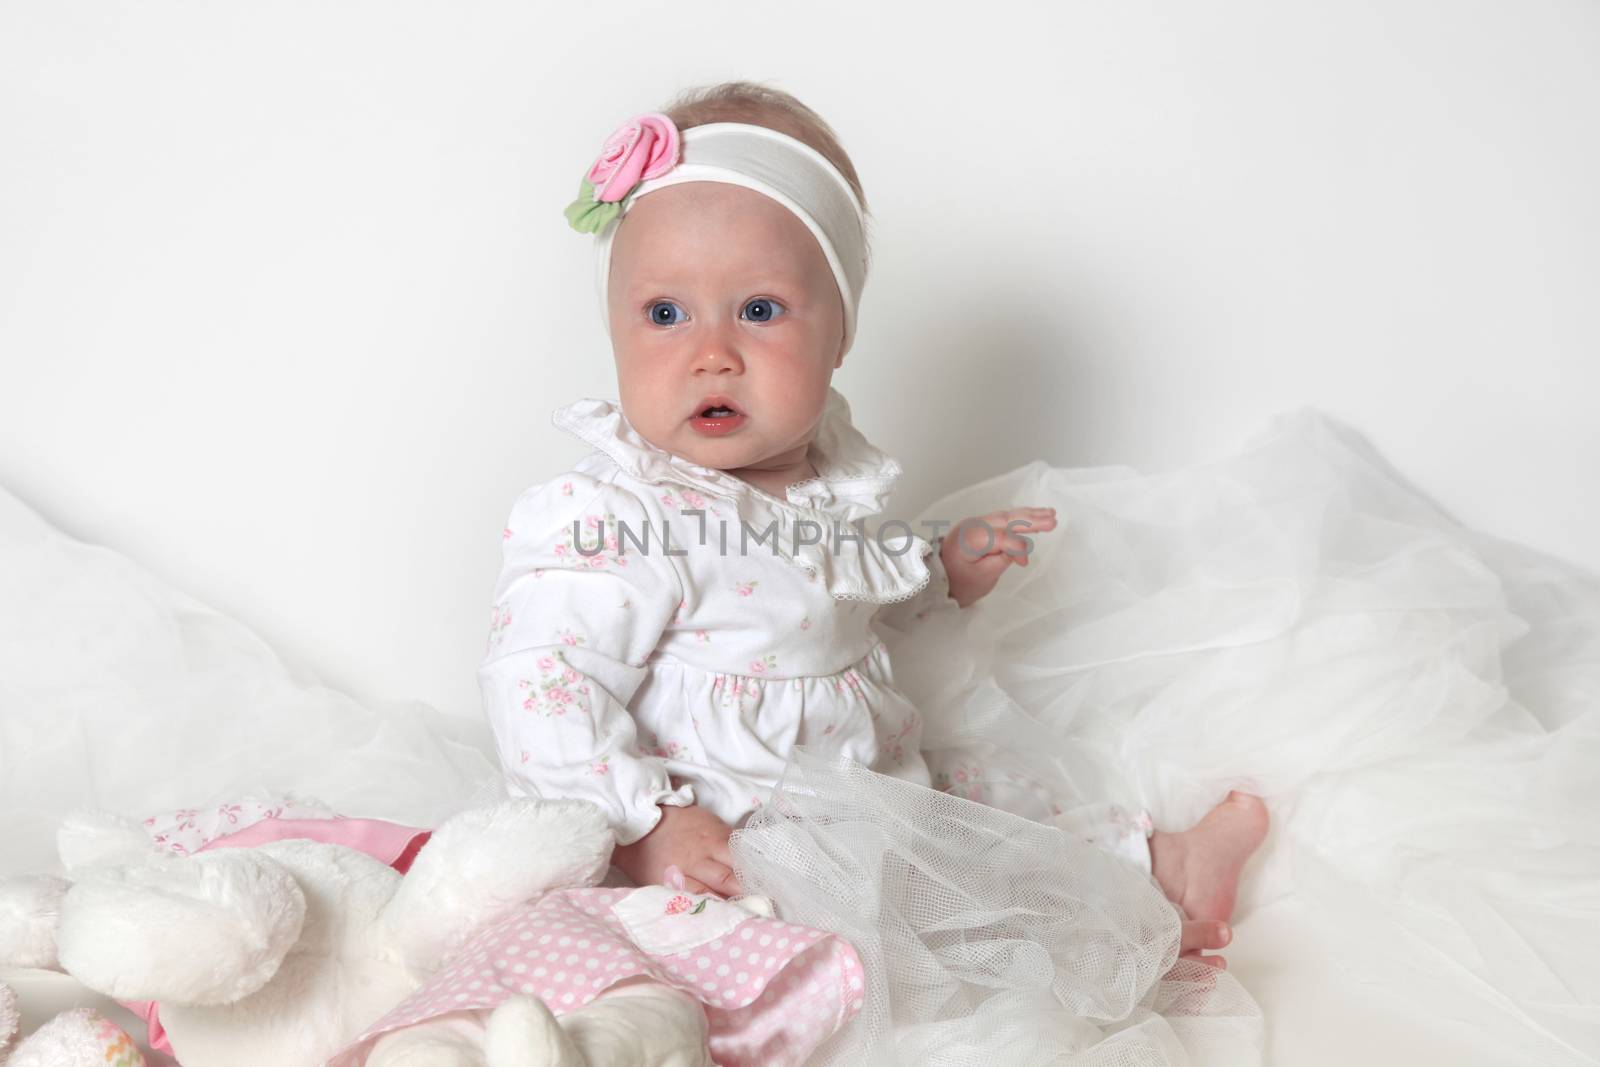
<point>284,953</point>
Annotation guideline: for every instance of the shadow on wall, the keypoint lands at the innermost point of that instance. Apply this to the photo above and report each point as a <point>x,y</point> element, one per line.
<point>978,392</point>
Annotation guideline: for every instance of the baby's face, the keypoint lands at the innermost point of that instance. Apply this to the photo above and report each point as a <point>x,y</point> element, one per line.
<point>719,294</point>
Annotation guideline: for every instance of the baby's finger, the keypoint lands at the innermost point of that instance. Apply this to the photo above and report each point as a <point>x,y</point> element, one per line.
<point>1210,961</point>
<point>1014,547</point>
<point>718,876</point>
<point>1012,529</point>
<point>722,853</point>
<point>1200,934</point>
<point>987,538</point>
<point>1036,518</point>
<point>1006,549</point>
<point>695,885</point>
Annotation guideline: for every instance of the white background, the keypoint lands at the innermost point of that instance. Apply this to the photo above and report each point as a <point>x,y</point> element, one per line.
<point>286,296</point>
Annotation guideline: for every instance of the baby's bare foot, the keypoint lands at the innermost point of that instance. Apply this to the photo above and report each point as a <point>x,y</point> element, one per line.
<point>1199,868</point>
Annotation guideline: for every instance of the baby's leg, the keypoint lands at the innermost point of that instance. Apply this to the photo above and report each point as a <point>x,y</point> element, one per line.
<point>1110,828</point>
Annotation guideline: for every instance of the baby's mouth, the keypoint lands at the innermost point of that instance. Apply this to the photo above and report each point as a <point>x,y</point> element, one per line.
<point>717,416</point>
<point>717,406</point>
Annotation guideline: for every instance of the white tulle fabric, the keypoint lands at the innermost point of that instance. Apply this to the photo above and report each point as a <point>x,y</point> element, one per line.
<point>1420,705</point>
<point>985,937</point>
<point>120,693</point>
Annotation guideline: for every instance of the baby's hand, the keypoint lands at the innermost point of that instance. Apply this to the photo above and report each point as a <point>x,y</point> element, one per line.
<point>982,547</point>
<point>690,839</point>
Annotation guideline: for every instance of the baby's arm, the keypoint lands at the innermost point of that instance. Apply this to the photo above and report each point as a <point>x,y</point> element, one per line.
<point>902,616</point>
<point>571,632</point>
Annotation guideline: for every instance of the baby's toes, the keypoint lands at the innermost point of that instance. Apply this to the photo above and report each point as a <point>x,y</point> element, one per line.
<point>1204,933</point>
<point>1210,961</point>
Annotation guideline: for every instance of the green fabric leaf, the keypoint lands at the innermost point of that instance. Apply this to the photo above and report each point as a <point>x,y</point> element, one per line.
<point>588,215</point>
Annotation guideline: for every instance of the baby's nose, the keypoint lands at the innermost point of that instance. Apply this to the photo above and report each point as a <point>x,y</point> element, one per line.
<point>718,356</point>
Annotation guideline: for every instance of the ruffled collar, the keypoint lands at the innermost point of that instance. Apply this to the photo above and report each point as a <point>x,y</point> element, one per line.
<point>853,481</point>
<point>854,478</point>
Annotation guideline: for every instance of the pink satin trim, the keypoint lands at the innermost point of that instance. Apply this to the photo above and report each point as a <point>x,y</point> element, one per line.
<point>388,842</point>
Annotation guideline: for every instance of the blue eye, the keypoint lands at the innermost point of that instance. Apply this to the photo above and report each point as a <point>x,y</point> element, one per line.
<point>661,313</point>
<point>763,310</point>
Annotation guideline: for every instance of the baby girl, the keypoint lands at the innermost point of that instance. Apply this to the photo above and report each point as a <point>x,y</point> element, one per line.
<point>698,595</point>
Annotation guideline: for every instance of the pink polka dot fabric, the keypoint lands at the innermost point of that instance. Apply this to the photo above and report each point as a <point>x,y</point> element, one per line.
<point>772,991</point>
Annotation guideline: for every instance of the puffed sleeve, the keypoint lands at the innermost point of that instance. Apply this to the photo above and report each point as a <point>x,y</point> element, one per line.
<point>578,608</point>
<point>903,616</point>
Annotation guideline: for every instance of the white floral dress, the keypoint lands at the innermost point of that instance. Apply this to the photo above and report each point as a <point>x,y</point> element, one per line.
<point>666,633</point>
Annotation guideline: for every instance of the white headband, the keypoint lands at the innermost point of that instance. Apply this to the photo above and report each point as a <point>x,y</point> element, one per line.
<point>775,165</point>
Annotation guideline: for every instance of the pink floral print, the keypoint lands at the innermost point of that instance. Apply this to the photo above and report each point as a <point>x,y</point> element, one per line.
<point>188,830</point>
<point>848,679</point>
<point>963,780</point>
<point>560,689</point>
<point>893,748</point>
<point>499,619</point>
<point>736,691</point>
<point>685,498</point>
<point>597,546</point>
<point>680,904</point>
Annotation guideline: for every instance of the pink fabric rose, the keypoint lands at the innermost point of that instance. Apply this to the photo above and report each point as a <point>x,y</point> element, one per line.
<point>644,147</point>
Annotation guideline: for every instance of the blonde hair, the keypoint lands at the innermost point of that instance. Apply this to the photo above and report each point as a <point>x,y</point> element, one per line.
<point>762,105</point>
